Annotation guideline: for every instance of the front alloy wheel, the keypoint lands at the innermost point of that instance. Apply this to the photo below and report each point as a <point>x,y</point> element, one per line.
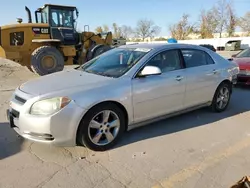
<point>104,127</point>
<point>101,127</point>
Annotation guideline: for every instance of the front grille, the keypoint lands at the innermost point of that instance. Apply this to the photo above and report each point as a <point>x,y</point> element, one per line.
<point>19,99</point>
<point>48,137</point>
<point>15,113</point>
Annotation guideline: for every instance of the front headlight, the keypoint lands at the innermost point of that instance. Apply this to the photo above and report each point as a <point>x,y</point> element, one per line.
<point>49,106</point>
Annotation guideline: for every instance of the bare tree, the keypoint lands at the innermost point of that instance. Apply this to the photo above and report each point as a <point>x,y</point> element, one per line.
<point>126,31</point>
<point>99,29</point>
<point>182,29</point>
<point>160,39</point>
<point>205,27</point>
<point>105,28</point>
<point>116,32</point>
<point>146,28</point>
<point>208,24</point>
<point>220,14</point>
<point>219,18</point>
<point>231,22</point>
<point>123,31</point>
<point>244,23</point>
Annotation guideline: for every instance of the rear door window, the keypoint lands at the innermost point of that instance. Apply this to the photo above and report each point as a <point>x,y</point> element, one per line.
<point>196,58</point>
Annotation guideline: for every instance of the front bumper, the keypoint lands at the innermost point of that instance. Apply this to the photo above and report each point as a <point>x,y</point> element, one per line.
<point>243,79</point>
<point>58,129</point>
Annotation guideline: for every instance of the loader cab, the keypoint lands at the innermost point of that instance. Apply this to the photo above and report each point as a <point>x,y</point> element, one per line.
<point>62,22</point>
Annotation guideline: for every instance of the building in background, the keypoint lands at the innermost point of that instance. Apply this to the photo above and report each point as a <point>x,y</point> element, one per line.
<point>192,36</point>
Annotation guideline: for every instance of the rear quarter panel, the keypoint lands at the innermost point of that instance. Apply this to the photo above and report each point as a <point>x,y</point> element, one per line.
<point>228,69</point>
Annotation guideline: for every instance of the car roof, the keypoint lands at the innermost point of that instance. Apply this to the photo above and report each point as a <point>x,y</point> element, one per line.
<point>158,46</point>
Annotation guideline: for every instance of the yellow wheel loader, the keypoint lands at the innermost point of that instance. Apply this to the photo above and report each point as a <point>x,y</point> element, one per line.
<point>52,41</point>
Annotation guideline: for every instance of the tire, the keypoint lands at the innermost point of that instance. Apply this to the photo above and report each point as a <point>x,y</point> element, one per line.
<point>38,63</point>
<point>88,137</point>
<point>100,50</point>
<point>90,52</point>
<point>218,97</point>
<point>96,50</point>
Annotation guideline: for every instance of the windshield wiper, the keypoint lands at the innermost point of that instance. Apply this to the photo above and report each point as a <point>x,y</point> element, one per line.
<point>103,74</point>
<point>98,73</point>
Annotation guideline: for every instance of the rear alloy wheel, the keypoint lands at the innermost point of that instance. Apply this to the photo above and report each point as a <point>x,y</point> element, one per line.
<point>221,98</point>
<point>101,127</point>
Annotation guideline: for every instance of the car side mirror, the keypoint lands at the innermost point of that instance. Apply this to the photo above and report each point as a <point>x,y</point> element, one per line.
<point>150,70</point>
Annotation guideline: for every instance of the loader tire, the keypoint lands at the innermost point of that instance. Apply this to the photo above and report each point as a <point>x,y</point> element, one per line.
<point>100,50</point>
<point>46,60</point>
<point>96,50</point>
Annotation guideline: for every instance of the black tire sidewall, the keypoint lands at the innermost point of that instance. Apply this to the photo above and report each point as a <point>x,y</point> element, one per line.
<point>102,48</point>
<point>39,53</point>
<point>95,51</point>
<point>89,55</point>
<point>214,103</point>
<point>82,135</point>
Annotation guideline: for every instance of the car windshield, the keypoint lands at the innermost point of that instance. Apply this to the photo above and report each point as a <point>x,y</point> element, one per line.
<point>243,53</point>
<point>115,62</point>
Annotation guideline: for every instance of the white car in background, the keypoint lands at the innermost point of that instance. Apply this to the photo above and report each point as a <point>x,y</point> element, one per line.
<point>127,86</point>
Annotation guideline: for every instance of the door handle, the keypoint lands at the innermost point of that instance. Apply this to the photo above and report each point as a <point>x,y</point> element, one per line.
<point>209,73</point>
<point>179,78</point>
<point>215,71</point>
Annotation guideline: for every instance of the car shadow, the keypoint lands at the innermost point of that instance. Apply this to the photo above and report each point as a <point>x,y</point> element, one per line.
<point>239,104</point>
<point>10,143</point>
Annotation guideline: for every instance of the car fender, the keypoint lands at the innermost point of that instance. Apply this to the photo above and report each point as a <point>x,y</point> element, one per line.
<point>122,95</point>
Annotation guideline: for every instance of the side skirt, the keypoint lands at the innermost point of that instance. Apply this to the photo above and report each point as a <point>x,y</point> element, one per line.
<point>136,125</point>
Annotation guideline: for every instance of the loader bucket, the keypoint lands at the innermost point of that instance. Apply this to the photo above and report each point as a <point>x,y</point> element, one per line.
<point>2,52</point>
<point>13,56</point>
<point>243,183</point>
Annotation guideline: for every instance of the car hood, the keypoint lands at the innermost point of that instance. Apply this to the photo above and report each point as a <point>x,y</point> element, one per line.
<point>63,80</point>
<point>244,63</point>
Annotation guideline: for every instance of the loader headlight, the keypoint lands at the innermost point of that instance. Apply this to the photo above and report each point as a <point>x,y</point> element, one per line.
<point>49,106</point>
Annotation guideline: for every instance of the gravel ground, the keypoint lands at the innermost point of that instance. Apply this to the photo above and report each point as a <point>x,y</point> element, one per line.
<point>198,149</point>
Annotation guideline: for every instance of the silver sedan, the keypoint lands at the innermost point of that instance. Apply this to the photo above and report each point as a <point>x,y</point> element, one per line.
<point>125,87</point>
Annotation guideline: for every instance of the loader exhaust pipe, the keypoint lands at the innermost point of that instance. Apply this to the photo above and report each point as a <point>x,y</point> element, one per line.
<point>29,14</point>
